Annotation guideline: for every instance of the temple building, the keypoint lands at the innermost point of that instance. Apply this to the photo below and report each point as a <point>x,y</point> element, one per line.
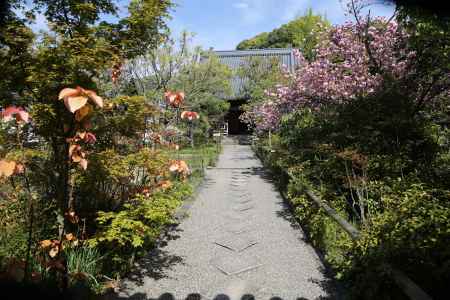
<point>235,59</point>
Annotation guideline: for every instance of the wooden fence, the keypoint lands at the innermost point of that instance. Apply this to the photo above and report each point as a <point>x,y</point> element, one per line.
<point>411,289</point>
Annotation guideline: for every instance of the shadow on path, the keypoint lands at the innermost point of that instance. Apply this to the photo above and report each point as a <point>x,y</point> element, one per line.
<point>194,296</point>
<point>287,212</point>
<point>158,261</point>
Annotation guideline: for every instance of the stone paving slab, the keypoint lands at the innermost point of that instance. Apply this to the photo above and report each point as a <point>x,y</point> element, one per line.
<point>238,228</point>
<point>235,264</point>
<point>243,206</point>
<point>237,243</point>
<point>239,216</point>
<point>241,200</point>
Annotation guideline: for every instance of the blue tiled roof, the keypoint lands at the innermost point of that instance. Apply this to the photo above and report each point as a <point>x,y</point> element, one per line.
<point>236,58</point>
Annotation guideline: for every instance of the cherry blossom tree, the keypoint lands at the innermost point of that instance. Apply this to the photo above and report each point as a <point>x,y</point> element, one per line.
<point>353,62</point>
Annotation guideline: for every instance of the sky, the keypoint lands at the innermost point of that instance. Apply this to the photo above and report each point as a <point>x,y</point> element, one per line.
<point>222,24</point>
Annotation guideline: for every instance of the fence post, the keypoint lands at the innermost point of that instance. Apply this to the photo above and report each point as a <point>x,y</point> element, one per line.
<point>409,287</point>
<point>270,139</point>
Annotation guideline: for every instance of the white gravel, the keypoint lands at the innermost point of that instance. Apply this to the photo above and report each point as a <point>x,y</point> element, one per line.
<point>280,264</point>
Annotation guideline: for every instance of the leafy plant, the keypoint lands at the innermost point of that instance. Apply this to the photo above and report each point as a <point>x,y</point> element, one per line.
<point>125,234</point>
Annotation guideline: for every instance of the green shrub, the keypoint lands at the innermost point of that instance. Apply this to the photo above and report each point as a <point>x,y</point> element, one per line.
<point>124,234</point>
<point>408,226</point>
<point>412,234</point>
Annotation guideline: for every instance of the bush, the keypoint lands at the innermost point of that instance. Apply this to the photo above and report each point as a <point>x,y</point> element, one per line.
<point>407,221</point>
<point>128,233</point>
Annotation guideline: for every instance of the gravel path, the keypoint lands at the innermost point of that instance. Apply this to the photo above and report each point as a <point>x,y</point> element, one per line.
<point>238,241</point>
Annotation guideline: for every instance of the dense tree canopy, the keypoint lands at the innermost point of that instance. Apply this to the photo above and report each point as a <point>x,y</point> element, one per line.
<point>303,33</point>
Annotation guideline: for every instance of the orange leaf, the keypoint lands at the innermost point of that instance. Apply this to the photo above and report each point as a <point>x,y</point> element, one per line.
<point>76,158</point>
<point>83,112</point>
<point>45,243</point>
<point>183,165</point>
<point>173,167</point>
<point>53,252</point>
<point>94,97</point>
<point>22,116</point>
<point>90,138</point>
<point>81,134</point>
<point>19,169</point>
<point>7,168</point>
<point>73,148</point>
<point>165,184</point>
<point>175,99</point>
<point>190,115</point>
<point>84,163</point>
<point>70,237</point>
<point>75,103</point>
<point>68,92</point>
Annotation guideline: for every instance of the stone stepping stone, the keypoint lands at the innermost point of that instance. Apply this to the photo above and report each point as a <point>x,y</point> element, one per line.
<point>238,187</point>
<point>237,243</point>
<point>238,184</point>
<point>239,177</point>
<point>243,207</point>
<point>238,228</point>
<point>241,216</point>
<point>233,264</point>
<point>239,195</point>
<point>239,172</point>
<point>242,200</point>
<point>239,192</point>
<point>235,186</point>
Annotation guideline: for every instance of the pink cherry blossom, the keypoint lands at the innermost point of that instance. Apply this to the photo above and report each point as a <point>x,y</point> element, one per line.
<point>343,70</point>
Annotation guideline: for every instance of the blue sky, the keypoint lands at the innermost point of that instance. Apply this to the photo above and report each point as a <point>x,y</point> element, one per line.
<point>222,24</point>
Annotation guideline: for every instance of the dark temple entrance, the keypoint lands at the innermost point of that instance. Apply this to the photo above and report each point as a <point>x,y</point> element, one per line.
<point>235,125</point>
<point>234,60</point>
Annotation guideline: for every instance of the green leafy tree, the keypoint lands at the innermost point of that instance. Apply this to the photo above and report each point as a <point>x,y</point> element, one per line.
<point>257,42</point>
<point>303,33</point>
<point>75,51</point>
<point>177,66</point>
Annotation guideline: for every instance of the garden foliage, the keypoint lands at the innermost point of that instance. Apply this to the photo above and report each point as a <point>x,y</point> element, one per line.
<point>87,176</point>
<point>364,125</point>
